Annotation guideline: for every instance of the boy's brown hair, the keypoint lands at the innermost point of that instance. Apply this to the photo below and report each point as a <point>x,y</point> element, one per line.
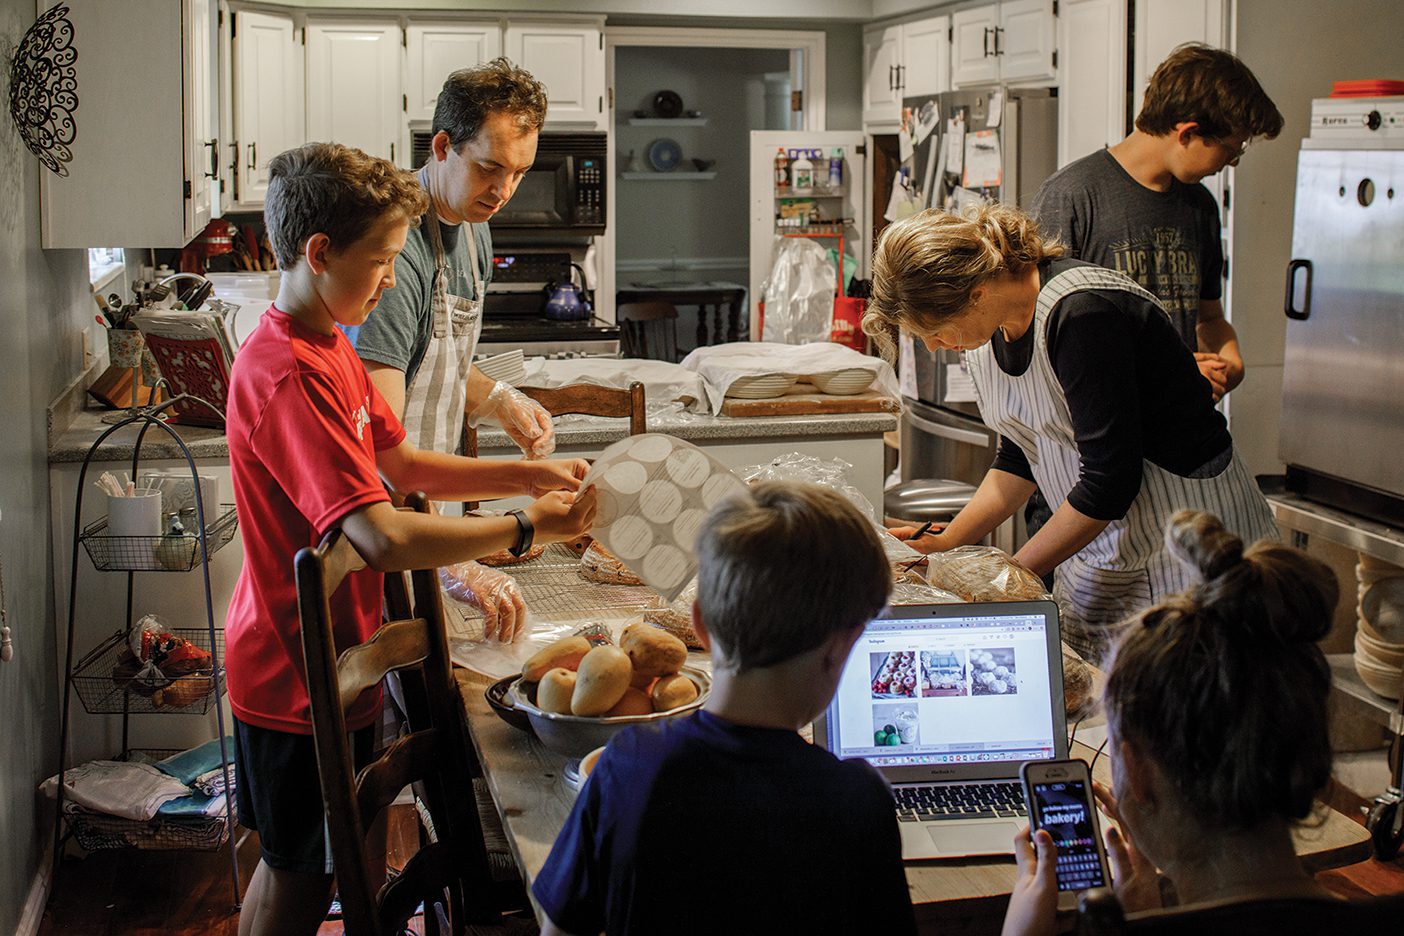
<point>471,94</point>
<point>784,566</point>
<point>1212,88</point>
<point>335,190</point>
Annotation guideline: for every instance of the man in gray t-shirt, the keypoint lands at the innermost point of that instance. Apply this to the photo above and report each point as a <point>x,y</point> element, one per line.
<point>1138,207</point>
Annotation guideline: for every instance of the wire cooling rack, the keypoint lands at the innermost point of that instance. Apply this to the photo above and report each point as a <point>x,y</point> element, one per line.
<point>552,586</point>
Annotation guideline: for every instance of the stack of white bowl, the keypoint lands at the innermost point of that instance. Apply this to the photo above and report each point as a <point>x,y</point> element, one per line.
<point>1379,639</point>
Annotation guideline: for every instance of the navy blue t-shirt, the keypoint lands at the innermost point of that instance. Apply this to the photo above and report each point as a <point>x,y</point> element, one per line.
<point>704,826</point>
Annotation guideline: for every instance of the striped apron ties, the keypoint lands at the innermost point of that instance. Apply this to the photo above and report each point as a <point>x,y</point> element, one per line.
<point>1127,567</point>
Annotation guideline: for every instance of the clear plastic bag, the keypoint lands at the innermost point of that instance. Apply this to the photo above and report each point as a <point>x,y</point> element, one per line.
<point>498,660</point>
<point>799,298</point>
<point>983,573</point>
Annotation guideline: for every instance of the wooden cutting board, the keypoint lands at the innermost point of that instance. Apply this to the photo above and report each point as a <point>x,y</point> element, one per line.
<point>802,400</point>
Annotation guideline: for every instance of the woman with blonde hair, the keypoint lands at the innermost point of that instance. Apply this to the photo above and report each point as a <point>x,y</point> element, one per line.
<point>1097,401</point>
<point>1209,800</point>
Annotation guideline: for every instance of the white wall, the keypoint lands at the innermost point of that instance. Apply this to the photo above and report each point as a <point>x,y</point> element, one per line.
<point>1297,48</point>
<point>44,300</point>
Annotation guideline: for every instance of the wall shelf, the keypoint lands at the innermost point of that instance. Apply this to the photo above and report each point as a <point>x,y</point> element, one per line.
<point>667,176</point>
<point>667,121</point>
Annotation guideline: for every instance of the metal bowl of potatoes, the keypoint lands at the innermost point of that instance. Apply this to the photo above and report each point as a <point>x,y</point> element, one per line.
<point>574,736</point>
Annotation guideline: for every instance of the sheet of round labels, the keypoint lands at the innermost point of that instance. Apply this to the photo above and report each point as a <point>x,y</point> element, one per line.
<point>654,491</point>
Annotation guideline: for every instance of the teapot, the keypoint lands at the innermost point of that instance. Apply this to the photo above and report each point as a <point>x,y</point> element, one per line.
<point>567,302</point>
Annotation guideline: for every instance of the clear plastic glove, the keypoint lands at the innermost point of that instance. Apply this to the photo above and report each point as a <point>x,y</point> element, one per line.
<point>523,419</point>
<point>492,592</point>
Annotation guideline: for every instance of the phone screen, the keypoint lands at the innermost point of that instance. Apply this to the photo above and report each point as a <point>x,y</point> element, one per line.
<point>1063,807</point>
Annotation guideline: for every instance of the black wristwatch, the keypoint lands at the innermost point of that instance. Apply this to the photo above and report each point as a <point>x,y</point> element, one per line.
<point>526,532</point>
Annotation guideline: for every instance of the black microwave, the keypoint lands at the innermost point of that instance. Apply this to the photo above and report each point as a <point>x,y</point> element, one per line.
<point>563,193</point>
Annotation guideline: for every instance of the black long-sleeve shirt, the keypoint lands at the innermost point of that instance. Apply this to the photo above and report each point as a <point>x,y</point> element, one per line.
<point>1133,389</point>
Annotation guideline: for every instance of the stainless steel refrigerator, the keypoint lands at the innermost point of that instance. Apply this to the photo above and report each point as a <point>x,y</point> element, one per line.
<point>942,435</point>
<point>1343,373</point>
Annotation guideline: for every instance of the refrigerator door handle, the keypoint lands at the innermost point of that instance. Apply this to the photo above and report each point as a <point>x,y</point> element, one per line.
<point>1289,307</point>
<point>968,436</point>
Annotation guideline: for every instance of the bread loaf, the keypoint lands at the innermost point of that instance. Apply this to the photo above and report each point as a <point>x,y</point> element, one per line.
<point>504,557</point>
<point>983,573</point>
<point>599,565</point>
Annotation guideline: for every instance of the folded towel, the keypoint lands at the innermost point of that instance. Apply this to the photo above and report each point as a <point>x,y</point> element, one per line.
<point>129,791</point>
<point>189,765</point>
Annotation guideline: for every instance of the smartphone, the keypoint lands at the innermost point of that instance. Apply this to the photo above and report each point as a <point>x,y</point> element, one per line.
<point>1059,798</point>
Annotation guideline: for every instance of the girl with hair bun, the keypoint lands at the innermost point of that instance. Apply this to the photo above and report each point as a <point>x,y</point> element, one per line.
<point>1097,401</point>
<point>1217,732</point>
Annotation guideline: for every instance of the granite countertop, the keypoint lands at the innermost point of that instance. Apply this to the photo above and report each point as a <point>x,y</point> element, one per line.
<point>73,444</point>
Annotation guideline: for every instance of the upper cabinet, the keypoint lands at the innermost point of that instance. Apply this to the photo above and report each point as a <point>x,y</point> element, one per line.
<point>569,61</point>
<point>1091,76</point>
<point>436,50</point>
<point>900,61</point>
<point>1010,42</point>
<point>354,91</point>
<point>141,174</point>
<point>266,88</point>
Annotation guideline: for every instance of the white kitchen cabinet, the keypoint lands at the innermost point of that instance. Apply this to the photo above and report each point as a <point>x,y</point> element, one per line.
<point>1091,76</point>
<point>141,167</point>
<point>266,88</point>
<point>900,61</point>
<point>1010,42</point>
<point>353,84</point>
<point>436,50</point>
<point>569,60</point>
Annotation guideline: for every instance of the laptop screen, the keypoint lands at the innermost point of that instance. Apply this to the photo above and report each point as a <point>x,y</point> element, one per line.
<point>955,684</point>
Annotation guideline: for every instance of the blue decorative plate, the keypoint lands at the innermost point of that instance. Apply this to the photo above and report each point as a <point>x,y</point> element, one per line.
<point>664,154</point>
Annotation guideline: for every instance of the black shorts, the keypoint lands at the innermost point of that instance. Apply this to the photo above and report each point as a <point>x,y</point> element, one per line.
<point>280,794</point>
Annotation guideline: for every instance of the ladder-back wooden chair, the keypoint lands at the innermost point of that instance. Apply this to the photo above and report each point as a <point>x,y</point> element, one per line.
<point>586,399</point>
<point>649,330</point>
<point>451,870</point>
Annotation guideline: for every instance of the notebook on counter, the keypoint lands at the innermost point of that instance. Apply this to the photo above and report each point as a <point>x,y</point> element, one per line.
<point>947,701</point>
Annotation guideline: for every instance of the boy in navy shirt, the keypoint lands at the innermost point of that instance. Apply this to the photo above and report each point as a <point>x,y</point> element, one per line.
<point>727,821</point>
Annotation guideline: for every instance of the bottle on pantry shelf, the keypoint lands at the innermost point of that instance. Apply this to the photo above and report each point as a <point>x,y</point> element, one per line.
<point>782,169</point>
<point>836,168</point>
<point>802,171</point>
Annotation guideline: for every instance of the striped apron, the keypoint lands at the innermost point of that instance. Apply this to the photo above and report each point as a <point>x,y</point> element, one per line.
<point>1127,567</point>
<point>436,397</point>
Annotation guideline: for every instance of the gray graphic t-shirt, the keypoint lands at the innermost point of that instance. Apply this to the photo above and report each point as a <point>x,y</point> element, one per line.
<point>1166,241</point>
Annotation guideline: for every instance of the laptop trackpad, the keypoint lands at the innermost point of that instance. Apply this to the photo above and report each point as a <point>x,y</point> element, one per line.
<point>973,838</point>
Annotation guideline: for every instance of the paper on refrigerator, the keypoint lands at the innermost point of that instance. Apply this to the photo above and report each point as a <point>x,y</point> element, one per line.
<point>654,492</point>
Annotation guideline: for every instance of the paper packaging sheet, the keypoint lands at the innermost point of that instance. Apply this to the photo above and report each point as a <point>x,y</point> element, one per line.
<point>654,491</point>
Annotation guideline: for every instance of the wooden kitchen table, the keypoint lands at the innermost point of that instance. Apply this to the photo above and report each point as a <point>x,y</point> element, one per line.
<point>951,896</point>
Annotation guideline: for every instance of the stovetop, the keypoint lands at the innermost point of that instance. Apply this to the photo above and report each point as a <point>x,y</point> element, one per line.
<point>539,328</point>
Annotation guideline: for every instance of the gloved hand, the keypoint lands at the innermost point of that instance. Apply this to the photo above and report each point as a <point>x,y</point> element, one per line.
<point>524,420</point>
<point>492,592</point>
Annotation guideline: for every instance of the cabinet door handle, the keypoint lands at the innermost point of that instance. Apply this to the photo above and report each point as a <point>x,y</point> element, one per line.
<point>901,77</point>
<point>253,156</point>
<point>890,80</point>
<point>392,152</point>
<point>213,172</point>
<point>997,31</point>
<point>987,43</point>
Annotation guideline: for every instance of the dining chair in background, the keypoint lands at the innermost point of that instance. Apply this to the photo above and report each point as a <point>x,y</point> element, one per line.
<point>649,330</point>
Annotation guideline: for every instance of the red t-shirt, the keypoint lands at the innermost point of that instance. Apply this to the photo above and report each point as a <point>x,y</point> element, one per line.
<point>304,424</point>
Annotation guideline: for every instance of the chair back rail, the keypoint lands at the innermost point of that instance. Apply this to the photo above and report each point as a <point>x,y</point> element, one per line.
<point>394,646</point>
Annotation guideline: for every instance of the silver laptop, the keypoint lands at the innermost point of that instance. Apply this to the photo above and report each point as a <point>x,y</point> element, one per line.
<point>947,701</point>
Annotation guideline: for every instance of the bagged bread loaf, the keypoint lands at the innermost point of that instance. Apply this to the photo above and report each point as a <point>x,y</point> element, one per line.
<point>504,557</point>
<point>676,618</point>
<point>1077,684</point>
<point>599,565</point>
<point>983,573</point>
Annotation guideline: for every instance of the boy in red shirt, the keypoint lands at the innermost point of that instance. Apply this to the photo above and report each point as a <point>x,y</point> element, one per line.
<point>310,440</point>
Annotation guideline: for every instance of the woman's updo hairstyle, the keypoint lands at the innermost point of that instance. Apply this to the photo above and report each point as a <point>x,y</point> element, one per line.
<point>1224,686</point>
<point>927,265</point>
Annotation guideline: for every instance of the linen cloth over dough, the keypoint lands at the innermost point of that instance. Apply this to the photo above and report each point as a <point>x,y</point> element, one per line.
<point>654,491</point>
<point>722,365</point>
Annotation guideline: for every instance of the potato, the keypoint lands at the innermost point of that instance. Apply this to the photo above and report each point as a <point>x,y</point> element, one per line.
<point>653,652</point>
<point>565,653</point>
<point>601,681</point>
<point>673,691</point>
<point>633,702</point>
<point>555,690</point>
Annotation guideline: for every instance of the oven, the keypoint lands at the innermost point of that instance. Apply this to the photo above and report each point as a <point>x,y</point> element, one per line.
<point>524,265</point>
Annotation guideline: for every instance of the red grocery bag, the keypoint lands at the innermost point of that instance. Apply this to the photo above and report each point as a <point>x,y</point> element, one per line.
<point>848,314</point>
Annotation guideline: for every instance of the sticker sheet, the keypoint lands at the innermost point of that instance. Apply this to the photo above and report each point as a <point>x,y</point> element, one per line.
<point>654,491</point>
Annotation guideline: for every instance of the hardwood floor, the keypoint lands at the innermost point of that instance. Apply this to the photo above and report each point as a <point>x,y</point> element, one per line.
<point>135,893</point>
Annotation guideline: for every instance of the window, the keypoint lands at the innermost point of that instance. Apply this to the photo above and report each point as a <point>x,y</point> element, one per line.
<point>105,264</point>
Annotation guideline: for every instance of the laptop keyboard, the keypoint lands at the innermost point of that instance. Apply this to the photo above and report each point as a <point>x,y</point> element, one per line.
<point>924,803</point>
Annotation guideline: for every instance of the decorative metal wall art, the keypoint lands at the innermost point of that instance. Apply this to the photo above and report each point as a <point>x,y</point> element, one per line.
<point>44,89</point>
